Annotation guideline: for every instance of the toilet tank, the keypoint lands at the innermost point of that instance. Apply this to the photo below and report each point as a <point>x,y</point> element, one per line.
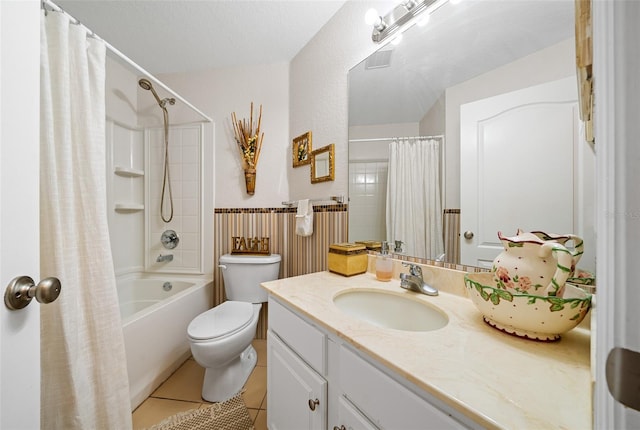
<point>243,274</point>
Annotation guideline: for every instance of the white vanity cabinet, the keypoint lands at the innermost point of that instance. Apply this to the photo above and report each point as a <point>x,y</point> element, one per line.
<point>298,398</point>
<point>350,418</point>
<point>316,380</point>
<point>384,401</point>
<point>297,390</point>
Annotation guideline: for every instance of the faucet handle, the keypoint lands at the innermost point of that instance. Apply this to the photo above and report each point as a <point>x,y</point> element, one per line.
<point>414,269</point>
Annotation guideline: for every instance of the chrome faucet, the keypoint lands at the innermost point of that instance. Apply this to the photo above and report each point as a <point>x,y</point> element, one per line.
<point>413,281</point>
<point>162,258</point>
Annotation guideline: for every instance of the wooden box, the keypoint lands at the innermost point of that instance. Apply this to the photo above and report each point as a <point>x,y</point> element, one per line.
<point>347,259</point>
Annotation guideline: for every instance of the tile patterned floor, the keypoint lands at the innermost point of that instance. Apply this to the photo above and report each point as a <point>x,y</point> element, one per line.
<point>182,392</point>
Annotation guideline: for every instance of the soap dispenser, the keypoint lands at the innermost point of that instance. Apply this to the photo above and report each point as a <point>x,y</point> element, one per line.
<point>384,264</point>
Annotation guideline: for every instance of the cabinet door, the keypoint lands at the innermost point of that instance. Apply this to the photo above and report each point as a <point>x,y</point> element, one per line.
<point>349,418</point>
<point>384,401</point>
<point>297,395</point>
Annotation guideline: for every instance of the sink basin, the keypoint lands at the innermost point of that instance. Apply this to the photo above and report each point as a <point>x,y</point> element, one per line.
<point>390,310</point>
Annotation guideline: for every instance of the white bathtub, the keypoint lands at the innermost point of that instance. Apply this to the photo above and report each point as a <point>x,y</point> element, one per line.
<point>154,323</point>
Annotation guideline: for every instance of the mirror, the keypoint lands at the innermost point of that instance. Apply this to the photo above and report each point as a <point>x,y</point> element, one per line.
<point>322,164</point>
<point>418,88</point>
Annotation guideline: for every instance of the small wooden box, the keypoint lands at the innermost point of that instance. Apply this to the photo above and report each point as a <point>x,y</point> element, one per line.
<point>347,259</point>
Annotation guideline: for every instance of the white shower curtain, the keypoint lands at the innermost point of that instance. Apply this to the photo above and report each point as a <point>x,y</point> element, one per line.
<point>84,375</point>
<point>414,196</point>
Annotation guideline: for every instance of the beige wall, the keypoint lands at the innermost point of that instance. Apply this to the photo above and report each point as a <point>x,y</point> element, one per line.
<point>319,98</point>
<point>220,92</point>
<point>309,94</point>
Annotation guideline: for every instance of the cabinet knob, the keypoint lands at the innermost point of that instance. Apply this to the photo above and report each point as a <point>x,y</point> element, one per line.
<point>342,427</point>
<point>313,404</point>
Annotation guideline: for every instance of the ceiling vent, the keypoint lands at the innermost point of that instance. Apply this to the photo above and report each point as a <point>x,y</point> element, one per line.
<point>378,60</point>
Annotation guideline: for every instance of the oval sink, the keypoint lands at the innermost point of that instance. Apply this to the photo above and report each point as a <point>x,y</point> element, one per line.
<point>390,310</point>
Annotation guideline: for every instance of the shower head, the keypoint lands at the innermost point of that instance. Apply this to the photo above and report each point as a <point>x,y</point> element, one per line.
<point>145,84</point>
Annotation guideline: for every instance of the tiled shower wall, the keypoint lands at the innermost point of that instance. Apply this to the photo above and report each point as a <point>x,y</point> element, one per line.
<point>185,154</point>
<point>368,199</point>
<point>300,255</point>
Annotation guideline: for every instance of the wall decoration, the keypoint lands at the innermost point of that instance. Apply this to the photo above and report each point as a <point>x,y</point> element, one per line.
<point>249,140</point>
<point>250,245</point>
<point>301,150</point>
<point>323,164</point>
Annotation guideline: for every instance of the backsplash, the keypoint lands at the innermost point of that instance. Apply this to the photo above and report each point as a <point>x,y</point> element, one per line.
<point>300,255</point>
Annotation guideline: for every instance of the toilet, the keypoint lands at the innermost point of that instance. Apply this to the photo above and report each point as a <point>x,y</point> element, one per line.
<point>220,338</point>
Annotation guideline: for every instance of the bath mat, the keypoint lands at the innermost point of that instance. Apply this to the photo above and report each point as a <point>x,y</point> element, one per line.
<point>231,414</point>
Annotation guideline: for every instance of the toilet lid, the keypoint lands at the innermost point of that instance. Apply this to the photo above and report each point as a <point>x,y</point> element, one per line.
<point>224,319</point>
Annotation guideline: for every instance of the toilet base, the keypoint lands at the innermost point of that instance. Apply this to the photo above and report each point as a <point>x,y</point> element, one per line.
<point>222,383</point>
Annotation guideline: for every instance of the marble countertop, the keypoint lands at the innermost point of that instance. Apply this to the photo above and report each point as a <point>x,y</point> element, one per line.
<point>497,380</point>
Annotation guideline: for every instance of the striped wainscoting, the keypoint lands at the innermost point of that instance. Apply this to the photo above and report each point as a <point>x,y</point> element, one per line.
<point>451,227</point>
<point>300,255</point>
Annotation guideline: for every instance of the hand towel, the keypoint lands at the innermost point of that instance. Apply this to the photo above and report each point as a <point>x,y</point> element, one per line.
<point>304,218</point>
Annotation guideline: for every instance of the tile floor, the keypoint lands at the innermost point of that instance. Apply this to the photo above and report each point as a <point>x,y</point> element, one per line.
<point>182,391</point>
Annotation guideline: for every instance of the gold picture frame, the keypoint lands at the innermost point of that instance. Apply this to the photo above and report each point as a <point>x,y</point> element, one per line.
<point>301,150</point>
<point>323,164</point>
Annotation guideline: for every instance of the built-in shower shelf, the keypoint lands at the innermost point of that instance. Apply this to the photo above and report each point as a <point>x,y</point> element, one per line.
<point>129,207</point>
<point>128,172</point>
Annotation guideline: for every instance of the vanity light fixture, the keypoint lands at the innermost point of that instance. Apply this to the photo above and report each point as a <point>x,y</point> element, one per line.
<point>386,26</point>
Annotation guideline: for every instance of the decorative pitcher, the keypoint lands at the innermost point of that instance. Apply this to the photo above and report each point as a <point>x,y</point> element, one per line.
<point>536,262</point>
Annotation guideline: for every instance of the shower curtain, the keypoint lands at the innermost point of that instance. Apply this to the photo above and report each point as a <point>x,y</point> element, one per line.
<point>414,196</point>
<point>83,365</point>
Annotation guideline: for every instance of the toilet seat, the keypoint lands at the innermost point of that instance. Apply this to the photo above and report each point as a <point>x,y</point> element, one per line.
<point>223,320</point>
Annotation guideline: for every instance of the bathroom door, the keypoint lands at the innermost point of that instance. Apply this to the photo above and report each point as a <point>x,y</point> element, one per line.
<point>517,167</point>
<point>19,210</point>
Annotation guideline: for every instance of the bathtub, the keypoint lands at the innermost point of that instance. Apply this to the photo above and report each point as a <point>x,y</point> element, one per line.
<point>154,323</point>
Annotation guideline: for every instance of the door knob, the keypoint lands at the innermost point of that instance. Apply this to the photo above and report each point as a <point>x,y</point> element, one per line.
<point>468,235</point>
<point>22,289</point>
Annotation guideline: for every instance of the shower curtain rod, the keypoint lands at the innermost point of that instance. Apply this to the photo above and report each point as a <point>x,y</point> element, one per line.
<point>55,8</point>
<point>380,139</point>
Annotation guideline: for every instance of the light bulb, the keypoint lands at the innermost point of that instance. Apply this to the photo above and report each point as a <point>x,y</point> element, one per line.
<point>371,17</point>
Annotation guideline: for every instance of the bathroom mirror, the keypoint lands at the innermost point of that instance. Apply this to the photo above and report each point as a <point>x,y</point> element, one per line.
<point>418,88</point>
<point>322,164</point>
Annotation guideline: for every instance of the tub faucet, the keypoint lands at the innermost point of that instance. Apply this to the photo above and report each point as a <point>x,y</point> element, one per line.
<point>413,281</point>
<point>162,258</point>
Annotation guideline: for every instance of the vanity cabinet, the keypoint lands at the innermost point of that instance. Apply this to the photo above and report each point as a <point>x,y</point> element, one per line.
<point>299,397</point>
<point>384,401</point>
<point>297,390</point>
<point>350,418</point>
<point>315,380</point>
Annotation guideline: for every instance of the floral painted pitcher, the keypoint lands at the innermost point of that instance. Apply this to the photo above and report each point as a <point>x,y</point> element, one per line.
<point>536,262</point>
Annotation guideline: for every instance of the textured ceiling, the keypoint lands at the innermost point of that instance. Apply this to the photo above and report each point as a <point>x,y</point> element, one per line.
<point>189,35</point>
<point>460,42</point>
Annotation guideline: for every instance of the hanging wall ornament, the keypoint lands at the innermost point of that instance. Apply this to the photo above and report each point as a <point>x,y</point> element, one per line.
<point>249,140</point>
